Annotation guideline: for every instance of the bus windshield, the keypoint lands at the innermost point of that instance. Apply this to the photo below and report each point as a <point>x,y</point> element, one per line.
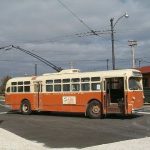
<point>135,83</point>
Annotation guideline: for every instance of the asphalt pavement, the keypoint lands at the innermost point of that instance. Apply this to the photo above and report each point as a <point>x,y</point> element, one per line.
<point>62,130</point>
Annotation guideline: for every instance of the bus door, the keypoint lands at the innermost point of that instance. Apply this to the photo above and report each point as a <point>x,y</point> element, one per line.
<point>38,95</point>
<point>115,96</point>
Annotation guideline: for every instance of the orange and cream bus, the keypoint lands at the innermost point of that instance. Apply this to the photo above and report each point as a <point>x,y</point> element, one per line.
<point>94,93</point>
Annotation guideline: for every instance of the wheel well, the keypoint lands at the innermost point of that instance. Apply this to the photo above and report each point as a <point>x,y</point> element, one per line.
<point>24,100</point>
<point>94,100</point>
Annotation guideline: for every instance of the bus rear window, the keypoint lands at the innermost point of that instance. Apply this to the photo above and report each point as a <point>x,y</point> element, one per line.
<point>13,83</point>
<point>8,90</point>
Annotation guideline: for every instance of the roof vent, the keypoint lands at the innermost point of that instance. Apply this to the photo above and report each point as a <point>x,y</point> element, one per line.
<point>69,71</point>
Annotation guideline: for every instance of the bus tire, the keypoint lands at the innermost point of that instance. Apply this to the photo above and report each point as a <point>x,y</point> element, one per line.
<point>94,110</point>
<point>26,107</point>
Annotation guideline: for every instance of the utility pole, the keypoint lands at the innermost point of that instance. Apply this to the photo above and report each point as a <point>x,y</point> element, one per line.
<point>71,65</point>
<point>132,44</point>
<point>35,70</point>
<point>112,42</point>
<point>139,63</point>
<point>112,24</point>
<point>107,60</point>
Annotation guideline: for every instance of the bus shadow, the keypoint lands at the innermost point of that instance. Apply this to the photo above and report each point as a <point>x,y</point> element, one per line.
<point>48,113</point>
<point>122,117</point>
<point>77,115</point>
<point>59,114</point>
<point>1,121</point>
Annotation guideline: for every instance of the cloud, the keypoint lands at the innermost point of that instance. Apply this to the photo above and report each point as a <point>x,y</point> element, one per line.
<point>49,30</point>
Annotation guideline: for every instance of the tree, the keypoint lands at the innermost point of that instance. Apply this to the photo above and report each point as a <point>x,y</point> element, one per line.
<point>3,82</point>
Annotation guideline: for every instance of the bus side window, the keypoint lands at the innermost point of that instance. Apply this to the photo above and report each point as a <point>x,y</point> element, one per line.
<point>49,88</point>
<point>26,82</point>
<point>66,80</point>
<point>85,79</point>
<point>75,80</point>
<point>26,86</point>
<point>27,89</point>
<point>75,87</point>
<point>85,86</point>
<point>66,87</point>
<point>57,81</point>
<point>95,79</point>
<point>14,89</point>
<point>95,86</point>
<point>20,88</point>
<point>57,88</point>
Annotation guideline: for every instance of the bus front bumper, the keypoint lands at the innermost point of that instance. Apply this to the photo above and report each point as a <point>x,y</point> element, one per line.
<point>137,110</point>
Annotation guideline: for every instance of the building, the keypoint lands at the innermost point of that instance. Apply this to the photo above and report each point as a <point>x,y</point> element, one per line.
<point>146,82</point>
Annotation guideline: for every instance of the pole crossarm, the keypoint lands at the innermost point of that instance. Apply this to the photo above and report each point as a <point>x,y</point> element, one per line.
<point>97,33</point>
<point>58,69</point>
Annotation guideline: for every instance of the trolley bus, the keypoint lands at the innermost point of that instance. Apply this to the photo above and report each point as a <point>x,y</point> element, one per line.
<point>94,93</point>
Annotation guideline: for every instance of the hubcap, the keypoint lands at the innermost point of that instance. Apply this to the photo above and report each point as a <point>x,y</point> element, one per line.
<point>96,109</point>
<point>25,108</point>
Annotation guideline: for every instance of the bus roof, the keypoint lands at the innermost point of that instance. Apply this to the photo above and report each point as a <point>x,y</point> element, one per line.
<point>110,73</point>
<point>75,73</point>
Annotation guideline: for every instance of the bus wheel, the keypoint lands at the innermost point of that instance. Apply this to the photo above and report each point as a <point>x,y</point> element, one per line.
<point>94,110</point>
<point>26,107</point>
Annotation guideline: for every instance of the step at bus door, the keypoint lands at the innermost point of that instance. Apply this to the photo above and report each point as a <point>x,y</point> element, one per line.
<point>115,95</point>
<point>38,95</point>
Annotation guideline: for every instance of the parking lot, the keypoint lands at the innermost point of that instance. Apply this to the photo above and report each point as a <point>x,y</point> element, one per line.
<point>57,130</point>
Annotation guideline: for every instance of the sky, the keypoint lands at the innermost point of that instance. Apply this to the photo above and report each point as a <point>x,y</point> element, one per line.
<point>48,29</point>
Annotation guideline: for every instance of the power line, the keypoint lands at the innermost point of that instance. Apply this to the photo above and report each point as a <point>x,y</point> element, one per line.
<point>80,20</point>
<point>92,32</point>
<point>145,61</point>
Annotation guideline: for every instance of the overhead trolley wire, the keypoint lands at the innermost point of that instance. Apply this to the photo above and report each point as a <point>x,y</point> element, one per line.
<point>80,20</point>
